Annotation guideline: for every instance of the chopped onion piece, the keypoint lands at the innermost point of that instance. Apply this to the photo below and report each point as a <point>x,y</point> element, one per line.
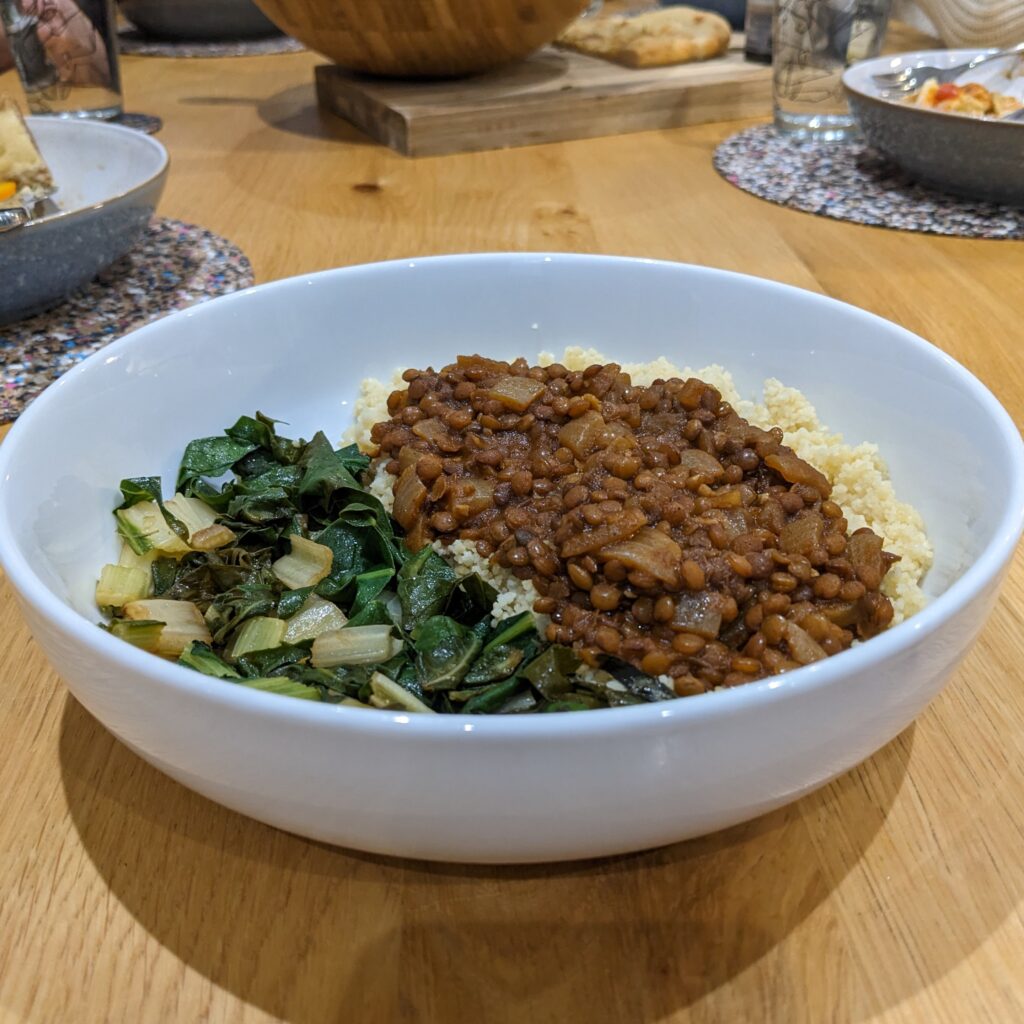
<point>693,460</point>
<point>698,613</point>
<point>794,470</point>
<point>516,393</point>
<point>802,645</point>
<point>583,435</point>
<point>618,529</point>
<point>410,497</point>
<point>650,551</point>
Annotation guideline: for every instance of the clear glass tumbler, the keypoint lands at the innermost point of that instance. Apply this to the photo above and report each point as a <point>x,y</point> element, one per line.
<point>66,55</point>
<point>813,42</point>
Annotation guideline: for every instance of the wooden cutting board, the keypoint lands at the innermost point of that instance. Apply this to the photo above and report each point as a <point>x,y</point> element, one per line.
<point>552,96</point>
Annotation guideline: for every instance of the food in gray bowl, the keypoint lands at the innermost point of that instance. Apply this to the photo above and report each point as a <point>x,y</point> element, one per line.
<point>109,180</point>
<point>199,20</point>
<point>976,157</point>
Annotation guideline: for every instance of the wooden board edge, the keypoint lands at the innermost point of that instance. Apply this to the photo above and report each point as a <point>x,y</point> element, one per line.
<point>383,123</point>
<point>442,135</point>
<point>643,81</point>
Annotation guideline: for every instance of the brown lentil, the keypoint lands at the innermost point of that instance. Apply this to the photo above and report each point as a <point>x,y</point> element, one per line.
<point>656,524</point>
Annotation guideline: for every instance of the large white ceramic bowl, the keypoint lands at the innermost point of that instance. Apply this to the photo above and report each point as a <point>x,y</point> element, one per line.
<point>109,180</point>
<point>529,788</point>
<point>976,157</point>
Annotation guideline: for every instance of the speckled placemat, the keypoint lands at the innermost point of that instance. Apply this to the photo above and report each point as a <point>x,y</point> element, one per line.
<point>134,43</point>
<point>173,266</point>
<point>849,181</point>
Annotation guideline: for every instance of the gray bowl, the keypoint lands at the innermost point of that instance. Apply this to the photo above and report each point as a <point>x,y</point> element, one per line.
<point>109,180</point>
<point>975,157</point>
<point>199,20</point>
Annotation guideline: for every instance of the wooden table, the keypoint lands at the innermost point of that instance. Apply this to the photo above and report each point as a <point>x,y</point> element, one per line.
<point>894,894</point>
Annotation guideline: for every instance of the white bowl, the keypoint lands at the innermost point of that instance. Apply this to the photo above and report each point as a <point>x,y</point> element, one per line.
<point>495,789</point>
<point>976,157</point>
<point>109,180</point>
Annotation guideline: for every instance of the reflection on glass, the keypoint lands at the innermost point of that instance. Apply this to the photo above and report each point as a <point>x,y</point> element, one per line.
<point>66,55</point>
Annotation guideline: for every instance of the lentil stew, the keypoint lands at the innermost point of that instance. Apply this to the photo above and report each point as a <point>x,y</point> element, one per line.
<point>658,527</point>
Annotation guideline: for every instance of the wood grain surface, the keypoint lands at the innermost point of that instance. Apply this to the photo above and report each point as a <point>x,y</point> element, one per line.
<point>551,96</point>
<point>895,894</point>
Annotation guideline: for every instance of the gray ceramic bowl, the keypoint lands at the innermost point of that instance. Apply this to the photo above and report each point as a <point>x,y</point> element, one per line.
<point>109,181</point>
<point>199,20</point>
<point>975,157</point>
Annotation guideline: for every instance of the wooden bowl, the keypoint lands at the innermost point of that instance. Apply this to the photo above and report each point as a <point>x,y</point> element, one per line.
<point>423,38</point>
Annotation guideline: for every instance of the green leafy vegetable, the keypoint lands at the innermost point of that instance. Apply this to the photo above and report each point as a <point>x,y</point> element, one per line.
<point>200,656</point>
<point>638,683</point>
<point>210,456</point>
<point>471,599</point>
<point>257,664</point>
<point>424,585</point>
<point>267,489</point>
<point>140,488</point>
<point>491,698</point>
<point>444,652</point>
<point>551,672</point>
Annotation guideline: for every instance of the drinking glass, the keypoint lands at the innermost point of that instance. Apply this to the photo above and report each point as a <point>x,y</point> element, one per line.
<point>66,55</point>
<point>813,42</point>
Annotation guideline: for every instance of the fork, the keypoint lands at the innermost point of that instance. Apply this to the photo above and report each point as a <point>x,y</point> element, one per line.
<point>908,79</point>
<point>12,217</point>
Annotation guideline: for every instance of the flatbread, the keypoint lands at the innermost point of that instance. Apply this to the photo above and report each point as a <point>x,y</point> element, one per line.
<point>24,176</point>
<point>674,35</point>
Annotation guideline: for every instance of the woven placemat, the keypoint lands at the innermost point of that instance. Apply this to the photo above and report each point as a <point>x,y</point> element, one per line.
<point>174,265</point>
<point>849,181</point>
<point>134,43</point>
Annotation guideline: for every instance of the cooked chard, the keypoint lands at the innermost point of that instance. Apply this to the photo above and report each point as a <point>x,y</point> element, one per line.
<point>305,565</point>
<point>281,685</point>
<point>386,693</point>
<point>315,617</point>
<point>145,528</point>
<point>354,645</point>
<point>193,514</point>
<point>129,558</point>
<point>200,656</point>
<point>182,622</point>
<point>118,585</point>
<point>144,633</point>
<point>291,578</point>
<point>258,634</point>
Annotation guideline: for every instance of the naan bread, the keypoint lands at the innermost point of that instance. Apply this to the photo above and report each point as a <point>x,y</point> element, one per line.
<point>674,35</point>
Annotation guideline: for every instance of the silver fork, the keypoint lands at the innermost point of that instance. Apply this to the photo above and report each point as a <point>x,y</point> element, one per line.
<point>908,79</point>
<point>12,217</point>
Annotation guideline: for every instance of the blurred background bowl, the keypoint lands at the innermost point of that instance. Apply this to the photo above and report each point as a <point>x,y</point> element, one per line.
<point>109,180</point>
<point>423,38</point>
<point>977,157</point>
<point>200,20</point>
